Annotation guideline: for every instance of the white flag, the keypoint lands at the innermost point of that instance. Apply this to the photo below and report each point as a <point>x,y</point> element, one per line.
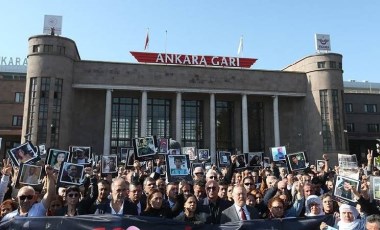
<point>240,48</point>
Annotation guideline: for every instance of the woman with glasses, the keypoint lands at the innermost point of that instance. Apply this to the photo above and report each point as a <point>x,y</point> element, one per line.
<point>74,204</point>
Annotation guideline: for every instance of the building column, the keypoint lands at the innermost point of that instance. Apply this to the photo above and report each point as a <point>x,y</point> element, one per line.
<point>107,123</point>
<point>178,118</point>
<point>276,122</point>
<point>144,113</point>
<point>212,129</point>
<point>244,121</point>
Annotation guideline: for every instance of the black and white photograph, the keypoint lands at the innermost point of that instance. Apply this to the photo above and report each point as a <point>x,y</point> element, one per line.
<point>178,168</point>
<point>266,162</point>
<point>240,161</point>
<point>254,159</point>
<point>24,153</point>
<point>296,161</point>
<point>343,188</point>
<point>163,146</point>
<point>56,158</point>
<point>224,158</point>
<point>42,149</point>
<point>81,154</point>
<point>130,157</point>
<point>278,153</point>
<point>122,156</point>
<point>109,164</point>
<point>196,164</point>
<point>191,152</point>
<point>348,166</point>
<point>320,165</point>
<point>203,154</point>
<point>71,173</point>
<point>144,146</point>
<point>30,174</point>
<point>174,151</point>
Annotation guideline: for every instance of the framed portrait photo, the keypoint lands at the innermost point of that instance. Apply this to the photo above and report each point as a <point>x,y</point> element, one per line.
<point>163,146</point>
<point>320,165</point>
<point>81,154</point>
<point>266,162</point>
<point>224,158</point>
<point>25,153</point>
<point>240,161</point>
<point>191,152</point>
<point>145,146</point>
<point>71,174</point>
<point>178,167</point>
<point>375,187</point>
<point>342,189</point>
<point>123,155</point>
<point>56,157</point>
<point>109,164</point>
<point>278,153</point>
<point>130,157</point>
<point>42,149</point>
<point>203,154</point>
<point>296,161</point>
<point>30,174</point>
<point>254,159</point>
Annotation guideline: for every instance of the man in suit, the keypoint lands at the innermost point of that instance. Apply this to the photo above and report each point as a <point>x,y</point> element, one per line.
<point>71,174</point>
<point>239,211</point>
<point>212,206</point>
<point>119,204</point>
<point>135,193</point>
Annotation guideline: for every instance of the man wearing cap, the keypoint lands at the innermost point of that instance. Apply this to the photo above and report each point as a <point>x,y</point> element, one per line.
<point>239,211</point>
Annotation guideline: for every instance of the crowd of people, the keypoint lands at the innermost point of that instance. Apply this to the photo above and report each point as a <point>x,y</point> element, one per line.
<point>214,196</point>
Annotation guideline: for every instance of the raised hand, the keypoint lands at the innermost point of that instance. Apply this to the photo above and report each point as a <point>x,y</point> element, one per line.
<point>7,167</point>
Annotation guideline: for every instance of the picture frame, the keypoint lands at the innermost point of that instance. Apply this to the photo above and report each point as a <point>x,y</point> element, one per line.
<point>30,174</point>
<point>123,155</point>
<point>254,159</point>
<point>174,152</point>
<point>42,150</point>
<point>240,161</point>
<point>145,147</point>
<point>266,162</point>
<point>375,187</point>
<point>178,168</point>
<point>191,151</point>
<point>22,154</point>
<point>203,154</point>
<point>71,174</point>
<point>224,158</point>
<point>56,157</point>
<point>81,154</point>
<point>109,164</point>
<point>278,153</point>
<point>130,157</point>
<point>163,146</point>
<point>320,164</point>
<point>341,192</point>
<point>296,161</point>
<point>162,163</point>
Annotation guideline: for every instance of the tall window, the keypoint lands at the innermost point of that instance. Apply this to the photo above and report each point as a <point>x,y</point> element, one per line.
<point>370,108</point>
<point>56,116</point>
<point>348,107</point>
<point>158,122</point>
<point>326,133</point>
<point>43,110</point>
<point>32,105</point>
<point>350,127</point>
<point>373,128</point>
<point>256,126</point>
<point>192,124</point>
<point>19,97</point>
<point>224,125</point>
<point>336,118</point>
<point>17,121</point>
<point>125,122</point>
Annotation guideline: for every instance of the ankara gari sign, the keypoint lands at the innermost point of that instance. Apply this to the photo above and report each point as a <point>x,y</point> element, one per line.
<point>186,59</point>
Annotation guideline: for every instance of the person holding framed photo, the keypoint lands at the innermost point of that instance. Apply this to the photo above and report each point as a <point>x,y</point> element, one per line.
<point>178,170</point>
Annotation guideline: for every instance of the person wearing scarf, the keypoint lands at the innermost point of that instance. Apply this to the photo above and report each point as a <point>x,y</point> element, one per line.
<point>314,206</point>
<point>348,219</point>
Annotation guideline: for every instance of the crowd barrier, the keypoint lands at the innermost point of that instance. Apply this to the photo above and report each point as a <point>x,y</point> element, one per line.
<point>113,222</point>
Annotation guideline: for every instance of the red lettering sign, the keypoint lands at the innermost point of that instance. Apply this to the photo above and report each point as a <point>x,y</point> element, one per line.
<point>185,59</point>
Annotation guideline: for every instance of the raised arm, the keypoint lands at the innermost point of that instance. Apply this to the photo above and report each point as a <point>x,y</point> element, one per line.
<point>50,188</point>
<point>6,171</point>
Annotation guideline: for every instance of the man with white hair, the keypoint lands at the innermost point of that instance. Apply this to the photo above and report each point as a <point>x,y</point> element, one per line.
<point>26,197</point>
<point>198,173</point>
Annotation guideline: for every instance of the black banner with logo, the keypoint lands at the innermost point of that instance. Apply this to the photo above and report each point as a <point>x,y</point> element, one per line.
<point>112,222</point>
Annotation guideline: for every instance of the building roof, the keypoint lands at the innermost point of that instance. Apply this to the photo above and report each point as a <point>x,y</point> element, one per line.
<point>353,86</point>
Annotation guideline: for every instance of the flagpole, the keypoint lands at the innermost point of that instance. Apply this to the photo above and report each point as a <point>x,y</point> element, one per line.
<point>166,40</point>
<point>147,40</point>
<point>241,47</point>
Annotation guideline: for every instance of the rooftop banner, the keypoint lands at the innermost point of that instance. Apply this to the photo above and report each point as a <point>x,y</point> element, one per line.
<point>198,60</point>
<point>322,42</point>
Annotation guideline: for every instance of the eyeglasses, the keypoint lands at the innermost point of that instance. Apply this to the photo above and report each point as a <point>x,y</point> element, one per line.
<point>248,184</point>
<point>277,207</point>
<point>71,195</point>
<point>23,197</point>
<point>120,190</point>
<point>199,173</point>
<point>211,188</point>
<point>212,177</point>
